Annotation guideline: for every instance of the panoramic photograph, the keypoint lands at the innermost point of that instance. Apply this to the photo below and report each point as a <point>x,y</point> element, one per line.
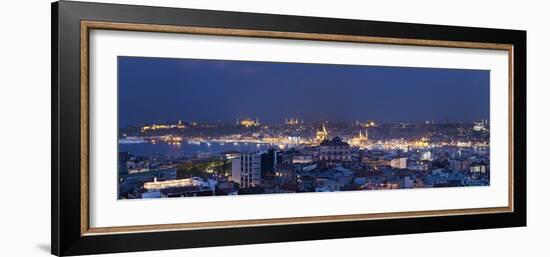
<point>197,127</point>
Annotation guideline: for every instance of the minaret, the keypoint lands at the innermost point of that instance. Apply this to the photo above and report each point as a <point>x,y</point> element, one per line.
<point>322,132</point>
<point>366,134</point>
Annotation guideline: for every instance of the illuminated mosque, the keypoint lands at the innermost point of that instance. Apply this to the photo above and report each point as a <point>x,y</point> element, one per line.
<point>322,133</point>
<point>248,122</point>
<point>360,140</point>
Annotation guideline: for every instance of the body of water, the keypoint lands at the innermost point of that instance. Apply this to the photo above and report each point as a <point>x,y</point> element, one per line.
<point>186,149</point>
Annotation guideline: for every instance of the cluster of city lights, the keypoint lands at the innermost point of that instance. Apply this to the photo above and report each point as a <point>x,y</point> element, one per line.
<point>157,185</point>
<point>179,125</point>
<point>168,139</point>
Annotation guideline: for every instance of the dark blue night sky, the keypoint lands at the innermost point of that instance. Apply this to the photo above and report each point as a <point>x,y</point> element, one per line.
<point>156,90</point>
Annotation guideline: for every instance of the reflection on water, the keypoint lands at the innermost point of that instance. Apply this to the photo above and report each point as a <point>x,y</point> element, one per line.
<point>189,149</point>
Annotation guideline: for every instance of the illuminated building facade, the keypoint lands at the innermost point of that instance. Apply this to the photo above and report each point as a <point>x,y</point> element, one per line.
<point>285,173</point>
<point>249,122</point>
<point>360,140</point>
<point>370,124</point>
<point>334,150</point>
<point>179,125</point>
<point>399,163</point>
<point>292,121</point>
<point>322,133</point>
<point>246,169</point>
<point>479,167</point>
<point>481,126</point>
<point>426,156</point>
<point>157,185</point>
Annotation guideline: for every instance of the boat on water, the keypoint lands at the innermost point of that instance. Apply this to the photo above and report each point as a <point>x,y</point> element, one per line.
<point>193,142</point>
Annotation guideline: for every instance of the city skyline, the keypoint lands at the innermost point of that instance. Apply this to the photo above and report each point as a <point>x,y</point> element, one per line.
<point>163,89</point>
<point>191,128</point>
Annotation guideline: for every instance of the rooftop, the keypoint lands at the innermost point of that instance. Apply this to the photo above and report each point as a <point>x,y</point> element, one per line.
<point>334,142</point>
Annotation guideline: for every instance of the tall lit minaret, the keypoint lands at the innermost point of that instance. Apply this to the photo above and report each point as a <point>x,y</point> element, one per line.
<point>322,132</point>
<point>366,134</point>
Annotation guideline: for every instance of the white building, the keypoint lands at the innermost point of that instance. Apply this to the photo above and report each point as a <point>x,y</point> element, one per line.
<point>399,163</point>
<point>246,169</point>
<point>334,150</point>
<point>426,156</point>
<point>302,159</point>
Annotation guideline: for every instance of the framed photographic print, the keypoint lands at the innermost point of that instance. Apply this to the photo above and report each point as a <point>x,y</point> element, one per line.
<point>178,128</point>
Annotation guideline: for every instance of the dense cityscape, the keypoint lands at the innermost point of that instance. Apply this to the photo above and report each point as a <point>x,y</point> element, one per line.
<point>181,159</point>
<point>198,127</point>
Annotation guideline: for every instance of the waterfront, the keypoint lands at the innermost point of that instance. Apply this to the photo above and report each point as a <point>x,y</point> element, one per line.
<point>187,149</point>
<point>246,158</point>
<point>190,127</point>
